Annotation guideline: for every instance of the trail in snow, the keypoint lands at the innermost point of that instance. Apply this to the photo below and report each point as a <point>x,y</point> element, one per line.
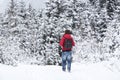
<point>79,72</point>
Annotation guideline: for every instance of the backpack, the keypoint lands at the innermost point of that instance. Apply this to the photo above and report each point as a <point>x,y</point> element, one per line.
<point>67,43</point>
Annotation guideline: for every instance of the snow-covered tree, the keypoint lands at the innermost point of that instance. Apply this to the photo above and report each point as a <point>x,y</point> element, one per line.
<point>32,36</point>
<point>111,7</point>
<point>26,33</point>
<point>11,14</point>
<point>55,25</point>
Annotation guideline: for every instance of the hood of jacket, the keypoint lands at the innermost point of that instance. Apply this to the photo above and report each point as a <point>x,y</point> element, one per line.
<point>68,36</point>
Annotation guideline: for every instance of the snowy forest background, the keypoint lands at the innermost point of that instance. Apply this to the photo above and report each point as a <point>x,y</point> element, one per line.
<point>32,36</point>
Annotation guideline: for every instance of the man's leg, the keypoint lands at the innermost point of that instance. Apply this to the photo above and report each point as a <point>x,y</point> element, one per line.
<point>63,61</point>
<point>69,60</point>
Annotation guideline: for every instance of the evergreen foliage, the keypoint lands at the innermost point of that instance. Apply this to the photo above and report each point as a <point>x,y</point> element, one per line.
<point>32,36</point>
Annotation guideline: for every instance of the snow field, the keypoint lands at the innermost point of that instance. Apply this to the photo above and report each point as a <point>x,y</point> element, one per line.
<point>97,71</point>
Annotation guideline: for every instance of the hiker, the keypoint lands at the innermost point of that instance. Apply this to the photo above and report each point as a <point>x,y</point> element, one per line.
<point>66,44</point>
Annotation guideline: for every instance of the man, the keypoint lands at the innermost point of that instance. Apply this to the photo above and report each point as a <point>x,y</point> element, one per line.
<point>66,44</point>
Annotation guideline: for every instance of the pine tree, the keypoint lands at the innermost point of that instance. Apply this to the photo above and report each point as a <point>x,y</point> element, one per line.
<point>31,40</point>
<point>11,13</point>
<point>111,7</point>
<point>55,24</point>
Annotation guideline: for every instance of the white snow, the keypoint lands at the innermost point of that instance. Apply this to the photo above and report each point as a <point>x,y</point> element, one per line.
<point>96,71</point>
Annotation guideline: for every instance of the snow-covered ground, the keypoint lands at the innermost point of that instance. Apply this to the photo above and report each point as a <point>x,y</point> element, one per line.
<point>97,71</point>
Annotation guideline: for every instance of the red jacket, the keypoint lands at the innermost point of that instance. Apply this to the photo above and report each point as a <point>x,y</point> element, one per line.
<point>68,36</point>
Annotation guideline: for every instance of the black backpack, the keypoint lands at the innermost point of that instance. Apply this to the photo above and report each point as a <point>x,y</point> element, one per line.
<point>68,43</point>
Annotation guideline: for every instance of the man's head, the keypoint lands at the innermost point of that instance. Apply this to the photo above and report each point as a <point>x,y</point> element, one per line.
<point>68,32</point>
